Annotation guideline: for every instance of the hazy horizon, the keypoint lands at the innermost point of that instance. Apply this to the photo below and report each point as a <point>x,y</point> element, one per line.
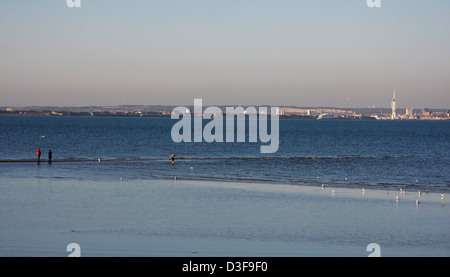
<point>279,53</point>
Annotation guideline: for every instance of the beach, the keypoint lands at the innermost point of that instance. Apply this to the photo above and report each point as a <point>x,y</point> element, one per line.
<point>188,218</point>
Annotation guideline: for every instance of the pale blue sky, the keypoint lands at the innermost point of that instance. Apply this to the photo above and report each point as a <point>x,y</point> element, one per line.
<point>303,53</point>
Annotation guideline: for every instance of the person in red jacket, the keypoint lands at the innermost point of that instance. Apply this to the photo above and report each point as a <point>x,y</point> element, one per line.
<point>38,153</point>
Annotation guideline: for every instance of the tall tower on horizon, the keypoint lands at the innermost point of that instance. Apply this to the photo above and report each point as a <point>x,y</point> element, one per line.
<point>394,107</point>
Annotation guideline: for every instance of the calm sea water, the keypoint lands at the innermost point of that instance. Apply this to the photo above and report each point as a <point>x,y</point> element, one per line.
<point>346,153</point>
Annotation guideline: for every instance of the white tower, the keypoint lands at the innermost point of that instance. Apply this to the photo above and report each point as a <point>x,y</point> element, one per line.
<point>394,107</point>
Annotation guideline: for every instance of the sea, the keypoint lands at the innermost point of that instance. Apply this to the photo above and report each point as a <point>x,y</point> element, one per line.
<point>379,154</point>
<point>111,189</point>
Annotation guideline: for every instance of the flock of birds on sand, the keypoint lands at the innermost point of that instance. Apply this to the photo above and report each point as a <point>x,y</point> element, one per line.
<point>397,198</point>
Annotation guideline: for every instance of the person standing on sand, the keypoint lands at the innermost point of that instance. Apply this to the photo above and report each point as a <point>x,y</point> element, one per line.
<point>50,155</point>
<point>173,158</point>
<point>38,153</point>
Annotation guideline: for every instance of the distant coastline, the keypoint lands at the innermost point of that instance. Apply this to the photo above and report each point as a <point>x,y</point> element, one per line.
<point>285,112</point>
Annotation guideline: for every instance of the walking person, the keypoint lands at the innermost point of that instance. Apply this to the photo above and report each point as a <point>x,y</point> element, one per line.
<point>173,158</point>
<point>50,155</point>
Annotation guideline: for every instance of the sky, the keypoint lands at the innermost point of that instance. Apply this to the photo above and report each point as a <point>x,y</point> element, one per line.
<point>228,52</point>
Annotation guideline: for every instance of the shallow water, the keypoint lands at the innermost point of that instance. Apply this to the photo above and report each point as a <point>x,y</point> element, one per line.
<point>40,217</point>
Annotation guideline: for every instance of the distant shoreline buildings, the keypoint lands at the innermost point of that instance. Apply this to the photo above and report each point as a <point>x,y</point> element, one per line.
<point>284,112</point>
<point>394,107</point>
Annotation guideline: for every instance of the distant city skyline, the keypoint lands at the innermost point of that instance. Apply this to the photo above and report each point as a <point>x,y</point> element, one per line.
<point>279,53</point>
